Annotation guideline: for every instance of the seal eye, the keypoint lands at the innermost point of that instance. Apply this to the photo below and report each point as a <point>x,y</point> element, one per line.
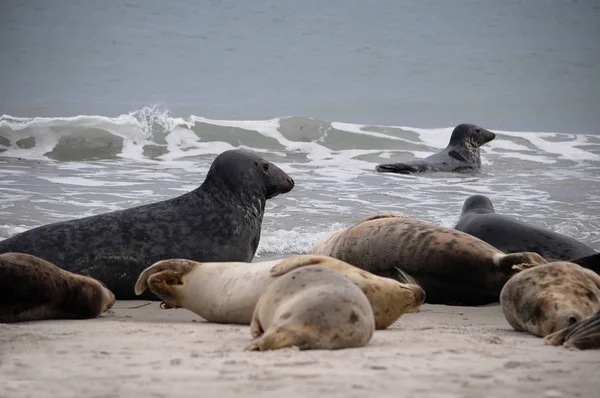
<point>266,166</point>
<point>477,130</point>
<point>572,320</point>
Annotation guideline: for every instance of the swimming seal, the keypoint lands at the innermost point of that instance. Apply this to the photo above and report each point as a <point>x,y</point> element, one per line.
<point>311,308</point>
<point>584,335</point>
<point>511,235</point>
<point>219,221</point>
<point>550,297</point>
<point>227,292</point>
<point>461,154</point>
<point>32,289</point>
<point>451,266</point>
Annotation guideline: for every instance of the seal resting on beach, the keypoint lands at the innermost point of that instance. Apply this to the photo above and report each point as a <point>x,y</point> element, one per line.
<point>550,297</point>
<point>219,221</point>
<point>32,289</point>
<point>451,266</point>
<point>461,154</point>
<point>227,292</point>
<point>583,335</point>
<point>511,235</point>
<point>311,307</point>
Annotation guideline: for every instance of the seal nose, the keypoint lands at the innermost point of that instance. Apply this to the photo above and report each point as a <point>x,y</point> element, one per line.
<point>420,295</point>
<point>290,181</point>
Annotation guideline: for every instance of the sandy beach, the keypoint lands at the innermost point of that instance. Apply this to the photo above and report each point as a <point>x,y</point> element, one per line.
<point>441,351</point>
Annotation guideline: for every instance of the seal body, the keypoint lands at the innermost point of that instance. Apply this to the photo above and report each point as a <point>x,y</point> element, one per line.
<point>511,235</point>
<point>451,266</point>
<point>461,154</point>
<point>228,292</point>
<point>219,221</point>
<point>583,335</point>
<point>550,297</point>
<point>33,289</point>
<point>312,307</point>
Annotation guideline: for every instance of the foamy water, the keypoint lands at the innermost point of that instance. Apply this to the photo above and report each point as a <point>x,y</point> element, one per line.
<point>55,169</point>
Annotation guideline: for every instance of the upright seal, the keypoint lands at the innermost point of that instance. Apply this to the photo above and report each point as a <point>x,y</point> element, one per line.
<point>451,266</point>
<point>32,289</point>
<point>219,221</point>
<point>461,154</point>
<point>510,235</point>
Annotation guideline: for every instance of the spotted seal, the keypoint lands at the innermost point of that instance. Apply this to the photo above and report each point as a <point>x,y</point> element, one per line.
<point>550,297</point>
<point>311,307</point>
<point>461,154</point>
<point>451,266</point>
<point>219,221</point>
<point>32,289</point>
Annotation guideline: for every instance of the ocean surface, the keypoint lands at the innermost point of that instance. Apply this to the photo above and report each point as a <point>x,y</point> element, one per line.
<point>109,105</point>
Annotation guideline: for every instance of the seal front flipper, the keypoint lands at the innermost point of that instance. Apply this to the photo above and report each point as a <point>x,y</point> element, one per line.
<point>400,168</point>
<point>456,155</point>
<point>583,335</point>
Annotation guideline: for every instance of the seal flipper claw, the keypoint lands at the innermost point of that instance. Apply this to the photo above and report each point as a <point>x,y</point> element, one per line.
<point>583,335</point>
<point>521,261</point>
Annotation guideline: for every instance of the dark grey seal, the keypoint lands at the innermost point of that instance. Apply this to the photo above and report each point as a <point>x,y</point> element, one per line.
<point>461,154</point>
<point>511,235</point>
<point>219,221</point>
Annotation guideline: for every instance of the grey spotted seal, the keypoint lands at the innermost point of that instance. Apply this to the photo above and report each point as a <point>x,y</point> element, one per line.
<point>219,221</point>
<point>461,154</point>
<point>550,297</point>
<point>584,335</point>
<point>451,266</point>
<point>511,235</point>
<point>32,289</point>
<point>311,307</point>
<point>227,292</point>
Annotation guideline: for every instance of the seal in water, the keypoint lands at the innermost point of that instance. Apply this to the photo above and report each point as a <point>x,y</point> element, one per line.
<point>311,307</point>
<point>583,335</point>
<point>225,292</point>
<point>550,297</point>
<point>32,289</point>
<point>219,221</point>
<point>511,235</point>
<point>461,154</point>
<point>451,266</point>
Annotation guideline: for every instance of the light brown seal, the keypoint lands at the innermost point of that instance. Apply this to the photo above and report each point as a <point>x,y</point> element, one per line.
<point>451,266</point>
<point>550,297</point>
<point>312,308</point>
<point>228,292</point>
<point>33,289</point>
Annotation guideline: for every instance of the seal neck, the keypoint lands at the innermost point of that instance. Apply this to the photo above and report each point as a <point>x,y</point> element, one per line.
<point>250,198</point>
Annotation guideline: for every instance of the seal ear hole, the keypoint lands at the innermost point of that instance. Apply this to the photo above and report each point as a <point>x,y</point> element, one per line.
<point>266,166</point>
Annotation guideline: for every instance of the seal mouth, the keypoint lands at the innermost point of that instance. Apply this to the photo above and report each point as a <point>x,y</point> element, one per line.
<point>285,187</point>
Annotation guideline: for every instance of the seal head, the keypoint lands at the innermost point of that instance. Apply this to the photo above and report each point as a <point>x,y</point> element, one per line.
<point>550,297</point>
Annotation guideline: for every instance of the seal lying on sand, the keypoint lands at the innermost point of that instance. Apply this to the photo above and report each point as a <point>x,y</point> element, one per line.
<point>228,292</point>
<point>451,266</point>
<point>511,235</point>
<point>312,308</point>
<point>32,289</point>
<point>550,297</point>
<point>461,154</point>
<point>219,221</point>
<point>584,335</point>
